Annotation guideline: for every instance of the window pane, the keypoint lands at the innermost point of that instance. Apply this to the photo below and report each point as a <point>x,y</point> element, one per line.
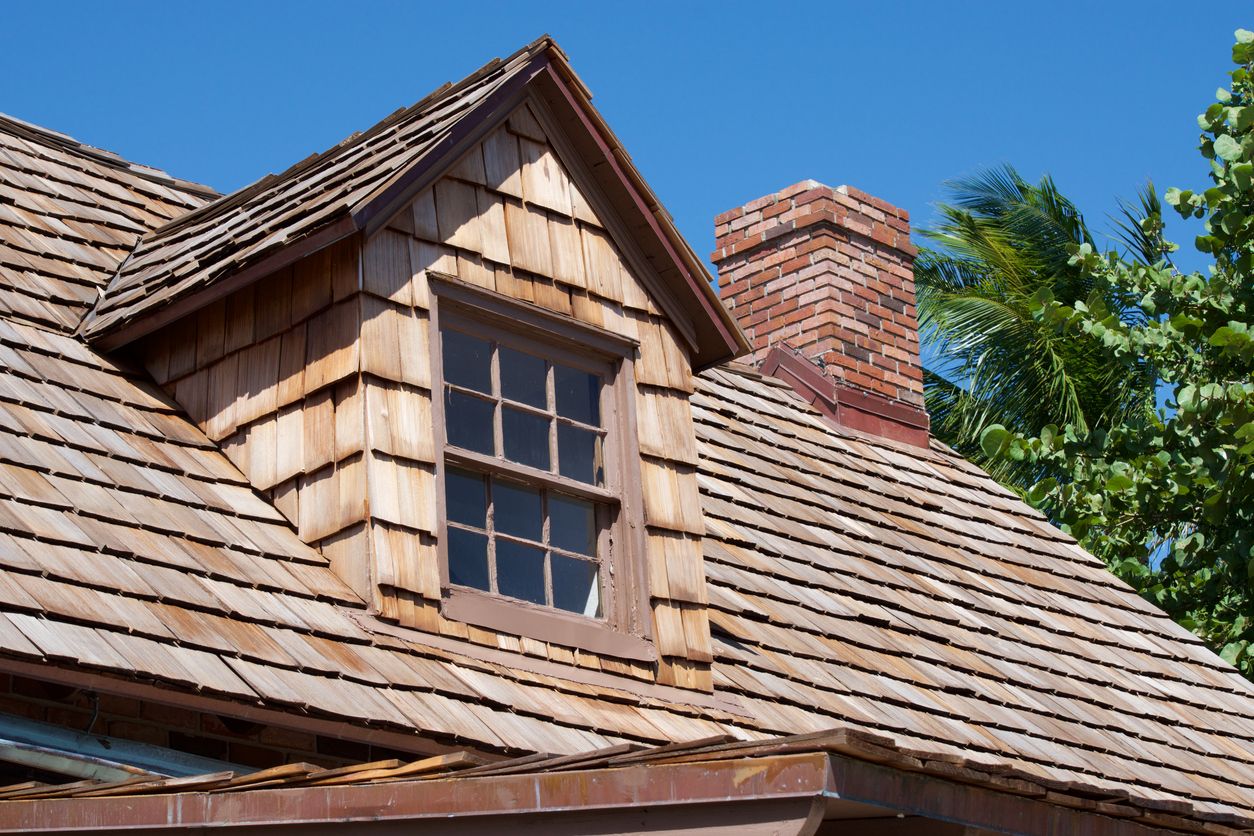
<point>575,586</point>
<point>466,499</point>
<point>469,422</point>
<point>579,454</point>
<point>520,571</point>
<point>572,524</point>
<point>467,558</point>
<point>523,378</point>
<point>578,395</point>
<point>467,361</point>
<point>516,510</point>
<point>526,437</point>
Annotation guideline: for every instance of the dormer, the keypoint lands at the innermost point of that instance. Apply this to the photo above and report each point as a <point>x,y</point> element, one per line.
<point>456,352</point>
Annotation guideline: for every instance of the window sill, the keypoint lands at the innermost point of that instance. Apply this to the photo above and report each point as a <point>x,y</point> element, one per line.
<point>567,629</point>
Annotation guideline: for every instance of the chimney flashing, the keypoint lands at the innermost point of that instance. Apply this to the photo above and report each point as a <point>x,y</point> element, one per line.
<point>847,406</point>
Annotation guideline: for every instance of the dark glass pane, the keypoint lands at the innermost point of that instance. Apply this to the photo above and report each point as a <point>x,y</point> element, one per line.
<point>516,511</point>
<point>572,524</point>
<point>466,498</point>
<point>575,586</point>
<point>579,454</point>
<point>467,558</point>
<point>469,422</point>
<point>526,437</point>
<point>578,395</point>
<point>522,378</point>
<point>519,571</point>
<point>467,361</point>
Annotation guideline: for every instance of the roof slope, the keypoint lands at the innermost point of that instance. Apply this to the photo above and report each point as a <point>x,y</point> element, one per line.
<point>853,583</point>
<point>69,214</point>
<point>243,228</point>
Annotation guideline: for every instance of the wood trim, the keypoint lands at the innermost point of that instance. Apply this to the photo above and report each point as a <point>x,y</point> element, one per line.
<point>553,481</point>
<point>626,630</point>
<point>507,312</point>
<point>724,326</point>
<point>614,225</point>
<point>374,211</point>
<point>519,618</point>
<point>781,794</point>
<point>220,288</point>
<point>641,689</point>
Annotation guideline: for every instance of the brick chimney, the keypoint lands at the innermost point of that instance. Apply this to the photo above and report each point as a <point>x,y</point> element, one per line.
<point>821,281</point>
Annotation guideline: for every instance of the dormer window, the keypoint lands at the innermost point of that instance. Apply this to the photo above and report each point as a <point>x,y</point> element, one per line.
<point>538,536</point>
<point>524,469</point>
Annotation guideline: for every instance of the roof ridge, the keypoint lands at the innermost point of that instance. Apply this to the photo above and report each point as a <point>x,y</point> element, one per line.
<point>49,137</point>
<point>357,138</point>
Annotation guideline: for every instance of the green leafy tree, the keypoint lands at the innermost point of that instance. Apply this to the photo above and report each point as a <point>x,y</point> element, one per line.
<point>1000,241</point>
<point>1168,498</point>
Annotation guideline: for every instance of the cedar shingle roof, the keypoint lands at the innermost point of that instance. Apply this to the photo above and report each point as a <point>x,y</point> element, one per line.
<point>853,583</point>
<point>240,230</point>
<point>68,214</point>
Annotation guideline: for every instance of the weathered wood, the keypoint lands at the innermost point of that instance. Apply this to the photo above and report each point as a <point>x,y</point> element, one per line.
<point>492,220</point>
<point>380,338</point>
<point>457,215</point>
<point>528,232</point>
<point>424,221</point>
<point>238,329</point>
<point>604,270</point>
<point>332,345</point>
<point>210,333</point>
<point>524,123</point>
<point>664,421</point>
<point>501,162</point>
<point>544,181</point>
<point>671,498</point>
<point>568,265</point>
<point>311,285</point>
<point>290,443</point>
<point>470,166</point>
<point>399,421</point>
<point>386,268</point>
<point>676,567</point>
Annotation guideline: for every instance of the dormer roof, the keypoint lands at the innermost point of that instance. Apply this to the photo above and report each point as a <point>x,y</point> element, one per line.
<point>357,185</point>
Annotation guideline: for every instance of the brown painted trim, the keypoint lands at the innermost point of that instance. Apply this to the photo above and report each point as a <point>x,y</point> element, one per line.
<point>289,719</point>
<point>508,312</point>
<point>845,405</point>
<point>376,209</point>
<point>626,241</point>
<point>148,322</point>
<point>519,618</point>
<point>726,328</point>
<point>933,797</point>
<point>625,632</point>
<point>722,793</point>
<point>725,703</point>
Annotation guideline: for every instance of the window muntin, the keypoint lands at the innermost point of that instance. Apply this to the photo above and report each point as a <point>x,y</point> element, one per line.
<point>509,534</point>
<point>523,408</point>
<point>533,544</point>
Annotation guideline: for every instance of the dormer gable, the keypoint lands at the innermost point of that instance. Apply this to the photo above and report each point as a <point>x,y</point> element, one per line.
<point>478,410</point>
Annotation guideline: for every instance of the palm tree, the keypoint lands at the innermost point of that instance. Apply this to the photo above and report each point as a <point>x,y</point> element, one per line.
<point>998,242</point>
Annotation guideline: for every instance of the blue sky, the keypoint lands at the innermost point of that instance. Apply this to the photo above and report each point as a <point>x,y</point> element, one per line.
<point>718,103</point>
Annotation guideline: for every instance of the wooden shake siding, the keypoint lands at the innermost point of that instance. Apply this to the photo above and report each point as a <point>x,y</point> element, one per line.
<point>348,450</point>
<point>272,374</point>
